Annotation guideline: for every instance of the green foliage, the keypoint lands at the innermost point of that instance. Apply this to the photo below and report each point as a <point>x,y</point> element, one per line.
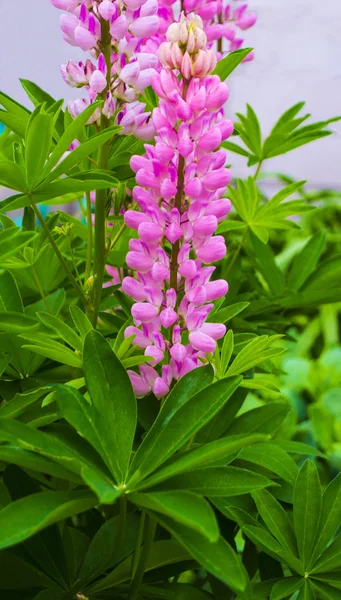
<point>228,487</point>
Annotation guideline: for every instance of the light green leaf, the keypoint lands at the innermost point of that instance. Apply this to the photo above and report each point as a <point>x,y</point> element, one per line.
<point>80,320</point>
<point>64,331</point>
<point>225,314</point>
<point>37,145</point>
<point>228,64</point>
<point>11,241</point>
<point>14,322</point>
<point>307,510</point>
<point>21,402</point>
<point>254,353</point>
<point>184,507</point>
<point>11,176</point>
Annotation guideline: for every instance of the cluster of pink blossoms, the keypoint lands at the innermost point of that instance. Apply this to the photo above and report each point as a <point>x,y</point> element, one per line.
<point>222,22</point>
<point>130,68</point>
<point>181,186</point>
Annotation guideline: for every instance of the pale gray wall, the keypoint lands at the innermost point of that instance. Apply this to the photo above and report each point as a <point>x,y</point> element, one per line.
<point>298,57</point>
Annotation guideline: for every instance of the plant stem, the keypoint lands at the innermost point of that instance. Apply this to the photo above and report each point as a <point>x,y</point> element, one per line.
<point>237,252</point>
<point>220,40</point>
<point>139,538</point>
<point>122,523</point>
<point>89,240</point>
<point>141,567</point>
<point>101,195</point>
<point>178,202</point>
<point>57,251</point>
<point>259,166</point>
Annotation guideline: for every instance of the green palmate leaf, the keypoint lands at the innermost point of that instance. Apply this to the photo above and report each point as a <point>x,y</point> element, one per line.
<point>330,516</point>
<point>307,509</point>
<point>37,145</point>
<point>13,123</point>
<point>184,507</point>
<point>202,456</point>
<point>30,575</point>
<point>174,591</point>
<point>225,314</point>
<point>5,359</point>
<point>81,152</point>
<point>330,559</point>
<point>10,298</point>
<point>287,118</point>
<point>254,353</point>
<point>34,462</point>
<point>64,331</point>
<point>298,448</point>
<point>66,448</point>
<point>11,241</point>
<point>17,323</point>
<point>11,176</point>
<point>113,400</point>
<point>325,591</point>
<point>235,148</point>
<point>268,267</point>
<point>21,402</point>
<point>44,346</point>
<point>276,519</point>
<point>218,558</point>
<point>273,458</point>
<point>70,134</point>
<point>164,552</point>
<point>25,517</point>
<point>176,424</point>
<point>81,321</point>
<point>217,481</point>
<point>333,578</point>
<point>286,587</point>
<point>228,64</point>
<point>260,537</point>
<point>264,419</point>
<point>306,592</point>
<point>305,262</point>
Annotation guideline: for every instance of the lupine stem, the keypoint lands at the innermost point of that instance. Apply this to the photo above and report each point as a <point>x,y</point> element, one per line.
<point>139,538</point>
<point>178,203</point>
<point>141,567</point>
<point>101,195</point>
<point>89,240</point>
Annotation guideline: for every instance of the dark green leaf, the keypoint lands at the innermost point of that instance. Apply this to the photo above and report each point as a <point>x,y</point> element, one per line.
<point>113,402</point>
<point>174,426</point>
<point>330,516</point>
<point>273,458</point>
<point>286,587</point>
<point>264,419</point>
<point>25,517</point>
<point>220,560</point>
<point>276,519</point>
<point>305,262</point>
<point>184,507</point>
<point>307,510</point>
